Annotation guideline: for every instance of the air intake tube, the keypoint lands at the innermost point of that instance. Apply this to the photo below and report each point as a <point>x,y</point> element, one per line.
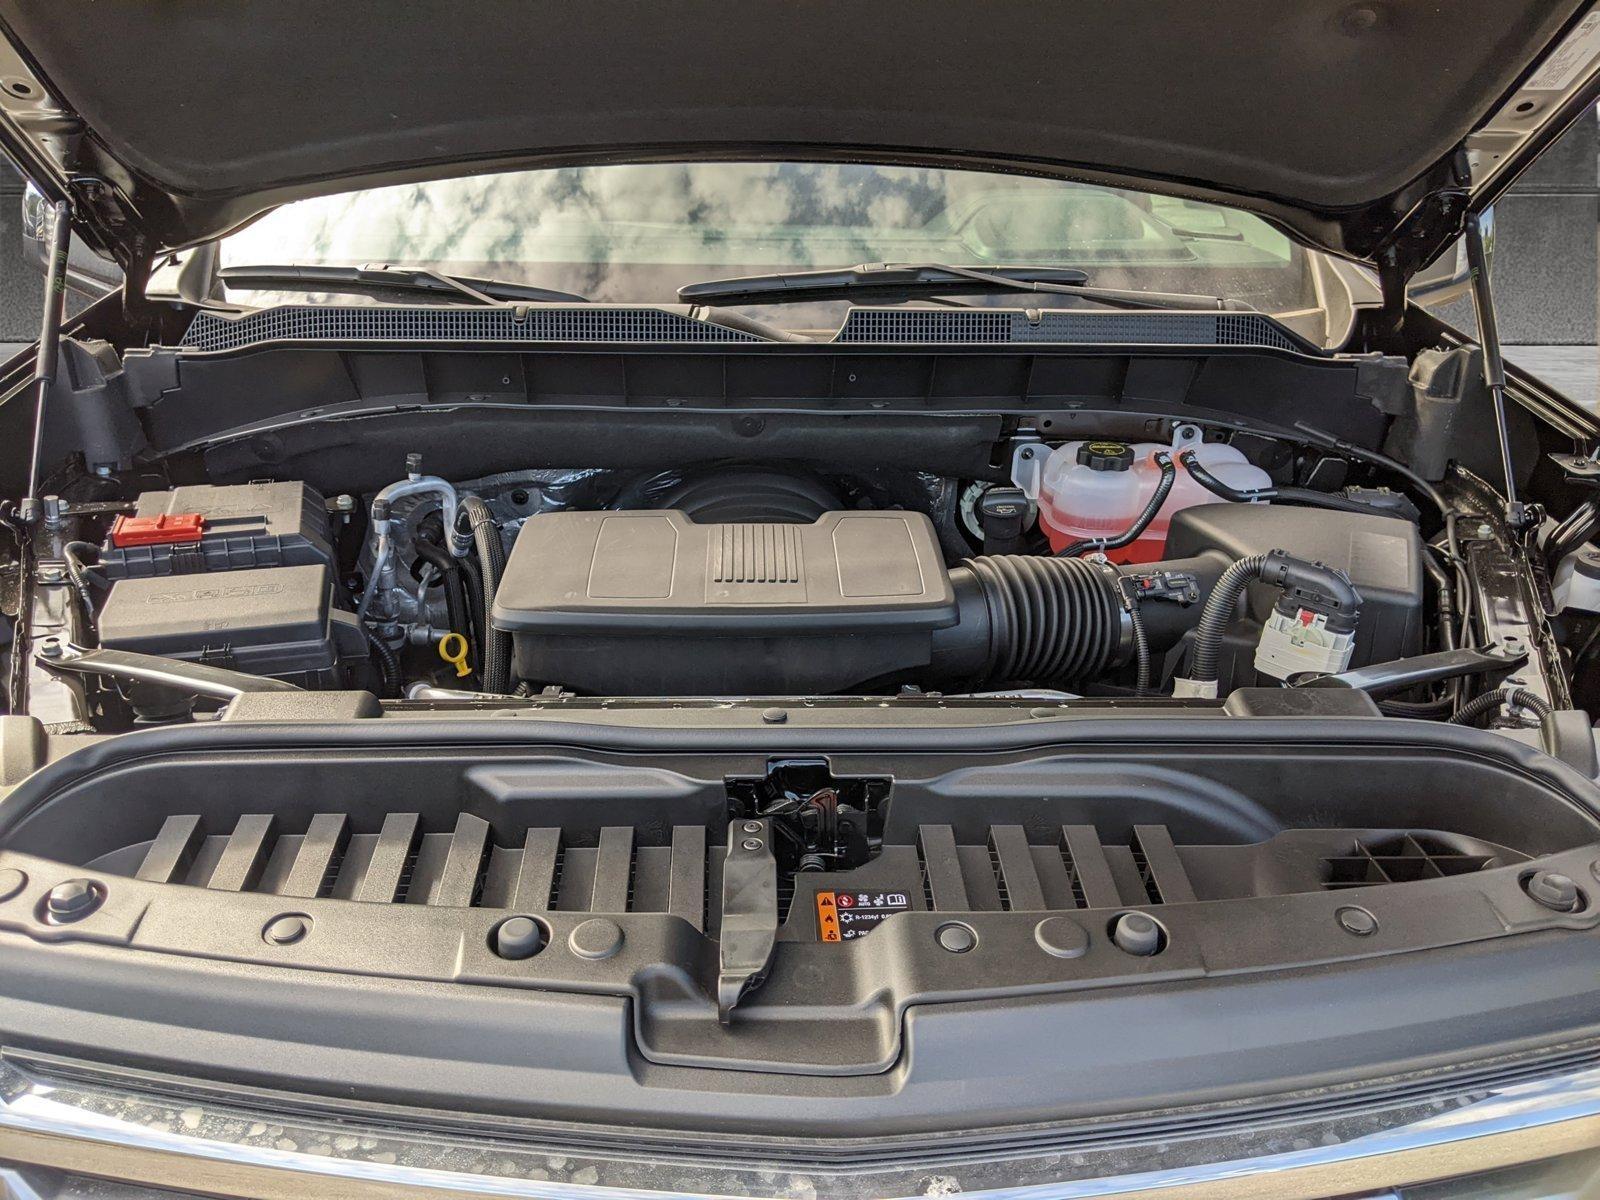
<point>1035,620</point>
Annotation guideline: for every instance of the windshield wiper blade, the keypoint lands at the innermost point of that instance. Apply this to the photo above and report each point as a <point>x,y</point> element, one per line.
<point>933,279</point>
<point>384,277</point>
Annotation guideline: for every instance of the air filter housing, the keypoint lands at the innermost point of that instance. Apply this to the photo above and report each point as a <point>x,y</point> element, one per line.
<point>651,603</point>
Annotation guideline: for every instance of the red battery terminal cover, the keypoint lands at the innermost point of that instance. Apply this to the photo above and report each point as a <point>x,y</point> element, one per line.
<point>170,529</point>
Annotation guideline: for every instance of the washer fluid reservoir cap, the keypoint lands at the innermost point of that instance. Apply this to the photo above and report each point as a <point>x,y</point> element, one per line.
<point>1106,456</point>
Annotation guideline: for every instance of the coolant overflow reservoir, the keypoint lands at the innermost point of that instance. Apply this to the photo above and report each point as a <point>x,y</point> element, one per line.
<point>1095,489</point>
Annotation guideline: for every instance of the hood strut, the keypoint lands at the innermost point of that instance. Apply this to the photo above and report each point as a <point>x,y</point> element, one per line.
<point>44,370</point>
<point>1519,515</point>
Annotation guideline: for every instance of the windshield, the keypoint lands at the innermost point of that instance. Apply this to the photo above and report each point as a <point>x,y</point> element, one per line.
<point>636,233</point>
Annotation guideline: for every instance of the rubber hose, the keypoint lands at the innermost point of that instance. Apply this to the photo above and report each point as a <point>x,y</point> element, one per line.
<point>1216,487</point>
<point>1169,474</point>
<point>1141,651</point>
<point>472,585</point>
<point>1050,620</point>
<point>495,670</point>
<point>73,553</point>
<point>1446,602</point>
<point>1218,612</point>
<point>388,664</point>
<point>1315,499</point>
<point>1284,495</point>
<point>1580,525</point>
<point>455,594</point>
<point>1329,441</point>
<point>1489,701</point>
<point>1416,708</point>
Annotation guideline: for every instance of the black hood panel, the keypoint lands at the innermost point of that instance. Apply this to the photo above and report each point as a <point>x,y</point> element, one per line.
<point>1329,115</point>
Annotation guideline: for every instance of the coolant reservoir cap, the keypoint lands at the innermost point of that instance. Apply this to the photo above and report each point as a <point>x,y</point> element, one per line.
<point>1106,456</point>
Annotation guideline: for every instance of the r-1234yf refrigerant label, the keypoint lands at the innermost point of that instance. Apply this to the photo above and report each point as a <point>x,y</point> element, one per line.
<point>842,916</point>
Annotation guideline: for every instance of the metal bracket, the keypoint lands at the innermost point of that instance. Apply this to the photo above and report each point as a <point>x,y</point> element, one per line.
<point>749,931</point>
<point>194,679</point>
<point>1581,470</point>
<point>1383,679</point>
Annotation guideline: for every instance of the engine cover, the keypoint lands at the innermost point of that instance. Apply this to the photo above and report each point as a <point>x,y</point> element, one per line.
<point>651,603</point>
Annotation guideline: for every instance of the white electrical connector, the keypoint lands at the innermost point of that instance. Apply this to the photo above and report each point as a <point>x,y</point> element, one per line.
<point>1301,643</point>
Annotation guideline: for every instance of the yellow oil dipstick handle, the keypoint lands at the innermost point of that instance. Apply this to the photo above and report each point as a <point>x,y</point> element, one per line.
<point>453,649</point>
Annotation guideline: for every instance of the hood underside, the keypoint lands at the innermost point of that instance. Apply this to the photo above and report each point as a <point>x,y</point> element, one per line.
<point>171,123</point>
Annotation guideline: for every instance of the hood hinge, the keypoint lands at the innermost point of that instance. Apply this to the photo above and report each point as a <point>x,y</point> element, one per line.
<point>1427,230</point>
<point>107,221</point>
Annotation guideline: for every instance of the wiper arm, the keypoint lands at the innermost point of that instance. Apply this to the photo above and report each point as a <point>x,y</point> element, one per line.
<point>377,278</point>
<point>932,279</point>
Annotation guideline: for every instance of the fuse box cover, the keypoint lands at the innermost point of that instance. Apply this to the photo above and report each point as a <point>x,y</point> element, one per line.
<point>277,621</point>
<point>242,526</point>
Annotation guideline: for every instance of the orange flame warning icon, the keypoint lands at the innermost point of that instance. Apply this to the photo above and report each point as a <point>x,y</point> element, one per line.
<point>828,917</point>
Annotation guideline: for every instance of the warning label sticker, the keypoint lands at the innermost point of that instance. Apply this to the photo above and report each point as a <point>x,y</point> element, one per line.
<point>1573,56</point>
<point>842,916</point>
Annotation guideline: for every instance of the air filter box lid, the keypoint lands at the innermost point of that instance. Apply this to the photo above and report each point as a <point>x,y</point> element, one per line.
<point>1383,556</point>
<point>648,571</point>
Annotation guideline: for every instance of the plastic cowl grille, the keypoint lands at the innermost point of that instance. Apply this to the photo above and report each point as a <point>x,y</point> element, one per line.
<point>1005,327</point>
<point>309,322</point>
<point>889,325</point>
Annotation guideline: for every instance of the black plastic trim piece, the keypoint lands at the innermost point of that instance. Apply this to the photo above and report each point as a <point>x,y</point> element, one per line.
<point>505,1033</point>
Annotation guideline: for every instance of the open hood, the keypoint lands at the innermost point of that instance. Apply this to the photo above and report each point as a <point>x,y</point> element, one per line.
<point>1367,128</point>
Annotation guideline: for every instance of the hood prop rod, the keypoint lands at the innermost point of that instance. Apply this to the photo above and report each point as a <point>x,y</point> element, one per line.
<point>44,370</point>
<point>1519,515</point>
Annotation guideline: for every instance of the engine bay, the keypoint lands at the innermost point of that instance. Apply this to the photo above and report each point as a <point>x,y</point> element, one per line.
<point>1060,525</point>
<point>780,700</point>
<point>1181,569</point>
<point>737,580</point>
<point>223,528</point>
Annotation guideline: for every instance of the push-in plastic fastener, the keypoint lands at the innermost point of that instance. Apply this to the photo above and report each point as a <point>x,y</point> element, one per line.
<point>596,939</point>
<point>1137,934</point>
<point>286,930</point>
<point>518,938</point>
<point>1357,921</point>
<point>956,937</point>
<point>1554,891</point>
<point>1061,937</point>
<point>73,900</point>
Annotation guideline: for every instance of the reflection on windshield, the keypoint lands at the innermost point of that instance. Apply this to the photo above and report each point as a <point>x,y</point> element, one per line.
<point>638,232</point>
